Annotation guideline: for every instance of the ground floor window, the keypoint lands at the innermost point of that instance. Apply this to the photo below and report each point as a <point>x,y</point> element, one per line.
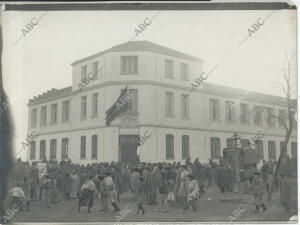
<point>294,149</point>
<point>259,145</point>
<point>32,150</point>
<point>53,149</point>
<point>185,146</point>
<point>230,143</point>
<point>42,149</point>
<point>94,147</point>
<point>64,148</point>
<point>272,150</point>
<point>83,147</point>
<point>215,147</point>
<point>169,146</point>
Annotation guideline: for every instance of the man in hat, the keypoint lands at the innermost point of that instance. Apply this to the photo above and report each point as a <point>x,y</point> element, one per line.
<point>257,188</point>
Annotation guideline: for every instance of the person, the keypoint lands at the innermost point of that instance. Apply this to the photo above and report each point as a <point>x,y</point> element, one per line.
<point>75,185</point>
<point>163,193</point>
<point>257,188</point>
<point>48,185</point>
<point>171,194</point>
<point>67,186</point>
<point>193,192</point>
<point>86,195</point>
<point>140,195</point>
<point>112,194</point>
<point>103,191</point>
<point>184,183</point>
<point>17,197</point>
<point>133,182</point>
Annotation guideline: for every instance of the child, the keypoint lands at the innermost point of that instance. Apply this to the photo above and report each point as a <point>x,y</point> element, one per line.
<point>171,195</point>
<point>140,195</point>
<point>163,193</point>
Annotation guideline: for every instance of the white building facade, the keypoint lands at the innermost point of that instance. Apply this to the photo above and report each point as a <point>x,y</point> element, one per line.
<point>178,123</point>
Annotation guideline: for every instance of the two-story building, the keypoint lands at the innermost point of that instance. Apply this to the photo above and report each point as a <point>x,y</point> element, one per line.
<point>177,122</point>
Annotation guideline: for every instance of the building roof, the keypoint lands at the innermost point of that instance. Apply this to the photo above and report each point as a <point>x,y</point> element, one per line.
<point>142,46</point>
<point>213,89</point>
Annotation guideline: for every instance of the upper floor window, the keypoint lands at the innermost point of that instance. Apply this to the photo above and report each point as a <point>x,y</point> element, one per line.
<point>169,69</point>
<point>185,146</point>
<point>132,100</point>
<point>230,112</point>
<point>83,107</point>
<point>32,150</point>
<point>184,71</point>
<point>270,118</point>
<point>258,115</point>
<point>65,111</point>
<point>214,109</point>
<point>64,148</point>
<point>94,105</point>
<point>95,70</point>
<point>129,64</point>
<point>33,118</point>
<point>244,113</point>
<point>83,72</point>
<point>169,146</point>
<point>185,111</point>
<point>282,117</point>
<point>169,104</point>
<point>54,113</point>
<point>43,115</point>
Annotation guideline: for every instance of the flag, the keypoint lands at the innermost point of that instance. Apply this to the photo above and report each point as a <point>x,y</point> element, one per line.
<point>118,107</point>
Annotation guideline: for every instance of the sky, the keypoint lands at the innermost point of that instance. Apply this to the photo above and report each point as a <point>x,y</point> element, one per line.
<point>40,60</point>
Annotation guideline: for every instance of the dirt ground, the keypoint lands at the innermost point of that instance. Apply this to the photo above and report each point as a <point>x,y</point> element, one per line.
<point>212,207</point>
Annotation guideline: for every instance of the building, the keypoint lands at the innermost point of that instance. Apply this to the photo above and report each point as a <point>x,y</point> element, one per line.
<point>177,122</point>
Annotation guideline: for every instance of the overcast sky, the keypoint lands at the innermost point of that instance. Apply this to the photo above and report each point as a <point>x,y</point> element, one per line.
<point>41,60</point>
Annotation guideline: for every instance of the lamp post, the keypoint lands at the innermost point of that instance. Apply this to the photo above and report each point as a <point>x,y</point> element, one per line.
<point>237,141</point>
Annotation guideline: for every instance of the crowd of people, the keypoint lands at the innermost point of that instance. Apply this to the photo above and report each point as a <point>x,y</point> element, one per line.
<point>162,184</point>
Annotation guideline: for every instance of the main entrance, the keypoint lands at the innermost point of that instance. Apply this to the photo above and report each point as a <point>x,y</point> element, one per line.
<point>128,148</point>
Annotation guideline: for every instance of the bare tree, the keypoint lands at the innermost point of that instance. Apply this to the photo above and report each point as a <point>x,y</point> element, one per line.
<point>288,121</point>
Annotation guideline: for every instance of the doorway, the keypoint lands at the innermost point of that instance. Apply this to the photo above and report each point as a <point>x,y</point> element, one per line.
<point>128,148</point>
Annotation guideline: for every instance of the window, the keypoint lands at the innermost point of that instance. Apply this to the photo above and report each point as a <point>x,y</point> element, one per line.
<point>169,146</point>
<point>53,113</point>
<point>43,150</point>
<point>129,64</point>
<point>33,118</point>
<point>169,69</point>
<point>32,150</point>
<point>185,112</point>
<point>215,148</point>
<point>169,104</point>
<point>282,117</point>
<point>270,118</point>
<point>94,147</point>
<point>43,115</point>
<point>132,101</point>
<point>283,148</point>
<point>258,115</point>
<point>64,148</point>
<point>259,145</point>
<point>244,113</point>
<point>65,111</point>
<point>95,70</point>
<point>214,109</point>
<point>185,146</point>
<point>184,71</point>
<point>83,147</point>
<point>294,149</point>
<point>230,111</point>
<point>95,105</point>
<point>272,150</point>
<point>230,143</point>
<point>83,107</point>
<point>53,149</point>
<point>83,72</point>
